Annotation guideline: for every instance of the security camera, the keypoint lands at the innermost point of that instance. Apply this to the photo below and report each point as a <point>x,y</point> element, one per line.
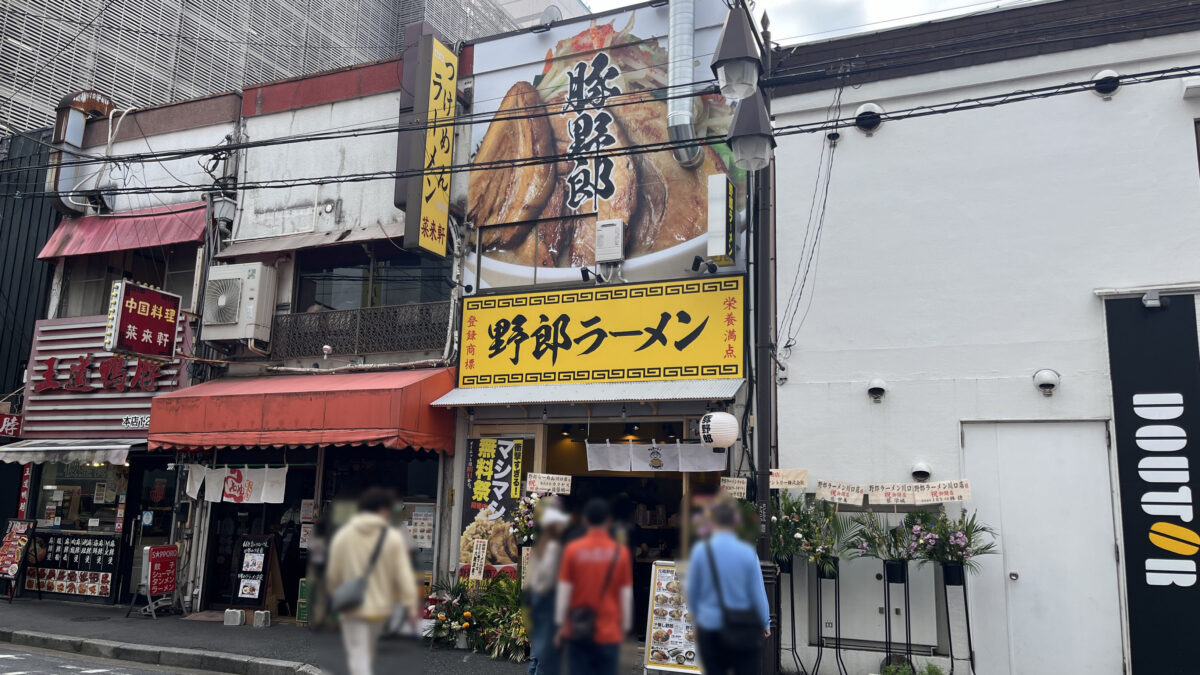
<point>326,350</point>
<point>877,388</point>
<point>921,471</point>
<point>1046,381</point>
<point>868,117</point>
<point>1106,82</point>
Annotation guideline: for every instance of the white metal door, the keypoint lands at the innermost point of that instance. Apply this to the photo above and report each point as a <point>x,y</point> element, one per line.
<point>1049,601</point>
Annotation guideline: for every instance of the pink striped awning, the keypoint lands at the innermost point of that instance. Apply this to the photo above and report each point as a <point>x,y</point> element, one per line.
<point>145,228</point>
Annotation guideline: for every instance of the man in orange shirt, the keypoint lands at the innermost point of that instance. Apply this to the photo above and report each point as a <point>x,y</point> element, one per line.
<point>595,596</point>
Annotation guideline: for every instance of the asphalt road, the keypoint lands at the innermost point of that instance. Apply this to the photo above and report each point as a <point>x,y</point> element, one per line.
<point>23,661</point>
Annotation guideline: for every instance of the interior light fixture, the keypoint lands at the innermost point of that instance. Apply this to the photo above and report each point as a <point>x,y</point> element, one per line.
<point>545,415</point>
<point>566,430</point>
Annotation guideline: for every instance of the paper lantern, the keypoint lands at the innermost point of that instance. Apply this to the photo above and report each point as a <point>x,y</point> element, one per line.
<point>718,429</point>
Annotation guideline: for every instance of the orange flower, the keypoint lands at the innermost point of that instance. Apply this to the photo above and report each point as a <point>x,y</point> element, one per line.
<point>466,625</point>
<point>467,614</point>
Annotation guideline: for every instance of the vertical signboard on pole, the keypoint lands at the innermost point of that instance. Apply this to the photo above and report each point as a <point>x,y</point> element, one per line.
<point>1154,356</point>
<point>427,211</point>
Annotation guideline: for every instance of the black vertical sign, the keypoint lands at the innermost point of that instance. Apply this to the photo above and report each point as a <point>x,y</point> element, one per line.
<point>1155,363</point>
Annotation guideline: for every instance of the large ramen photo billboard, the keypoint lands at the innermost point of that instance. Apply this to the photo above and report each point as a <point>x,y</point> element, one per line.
<point>581,136</point>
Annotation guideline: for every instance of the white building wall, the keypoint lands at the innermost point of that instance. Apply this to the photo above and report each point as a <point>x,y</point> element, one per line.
<point>275,212</point>
<point>960,254</point>
<point>158,173</point>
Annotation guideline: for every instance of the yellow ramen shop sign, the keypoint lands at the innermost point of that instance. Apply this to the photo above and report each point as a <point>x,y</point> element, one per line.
<point>676,330</point>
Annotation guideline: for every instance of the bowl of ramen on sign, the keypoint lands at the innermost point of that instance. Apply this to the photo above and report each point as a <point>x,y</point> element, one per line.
<point>599,101</point>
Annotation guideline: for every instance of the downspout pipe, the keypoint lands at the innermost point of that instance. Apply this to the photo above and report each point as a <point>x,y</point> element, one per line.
<point>681,37</point>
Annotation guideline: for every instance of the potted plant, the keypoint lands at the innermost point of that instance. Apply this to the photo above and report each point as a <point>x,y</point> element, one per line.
<point>872,537</point>
<point>524,524</point>
<point>809,528</point>
<point>954,543</point>
<point>786,530</point>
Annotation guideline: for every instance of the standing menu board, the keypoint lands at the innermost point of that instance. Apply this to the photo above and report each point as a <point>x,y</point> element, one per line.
<point>13,552</point>
<point>257,580</point>
<point>670,633</point>
<point>74,563</point>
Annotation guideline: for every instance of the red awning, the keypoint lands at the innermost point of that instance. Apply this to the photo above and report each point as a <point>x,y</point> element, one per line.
<point>386,408</point>
<point>145,228</point>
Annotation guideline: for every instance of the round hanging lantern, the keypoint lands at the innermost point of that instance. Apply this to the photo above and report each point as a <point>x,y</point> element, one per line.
<point>718,429</point>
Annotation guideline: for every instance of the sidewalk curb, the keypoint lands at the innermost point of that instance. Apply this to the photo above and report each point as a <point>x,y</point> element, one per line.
<point>176,657</point>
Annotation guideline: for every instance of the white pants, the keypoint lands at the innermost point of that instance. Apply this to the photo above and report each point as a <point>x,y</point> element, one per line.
<point>360,639</point>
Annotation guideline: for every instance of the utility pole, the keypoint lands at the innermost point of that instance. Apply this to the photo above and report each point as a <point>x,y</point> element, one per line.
<point>765,426</point>
<point>742,63</point>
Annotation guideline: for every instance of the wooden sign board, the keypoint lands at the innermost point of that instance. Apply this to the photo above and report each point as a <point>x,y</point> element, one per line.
<point>838,492</point>
<point>548,483</point>
<point>478,559</point>
<point>943,491</point>
<point>788,479</point>
<point>892,493</point>
<point>734,487</point>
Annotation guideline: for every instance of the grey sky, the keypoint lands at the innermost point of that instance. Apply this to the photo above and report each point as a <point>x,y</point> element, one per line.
<point>807,20</point>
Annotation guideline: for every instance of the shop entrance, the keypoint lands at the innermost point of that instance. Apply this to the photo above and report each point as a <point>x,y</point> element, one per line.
<point>229,521</point>
<point>647,507</point>
<point>150,510</point>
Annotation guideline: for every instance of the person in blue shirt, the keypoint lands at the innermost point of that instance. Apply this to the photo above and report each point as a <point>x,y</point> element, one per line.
<point>741,587</point>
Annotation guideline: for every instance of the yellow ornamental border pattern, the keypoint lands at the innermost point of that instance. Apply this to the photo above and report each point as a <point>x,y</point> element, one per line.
<point>675,330</point>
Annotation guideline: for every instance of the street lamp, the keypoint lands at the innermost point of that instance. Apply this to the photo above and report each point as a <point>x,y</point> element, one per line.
<point>750,135</point>
<point>737,63</point>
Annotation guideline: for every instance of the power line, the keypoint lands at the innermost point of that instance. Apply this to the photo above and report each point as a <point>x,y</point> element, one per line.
<point>796,294</point>
<point>637,97</point>
<point>974,103</point>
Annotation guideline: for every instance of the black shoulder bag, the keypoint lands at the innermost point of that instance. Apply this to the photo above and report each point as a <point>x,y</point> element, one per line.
<point>742,629</point>
<point>581,621</point>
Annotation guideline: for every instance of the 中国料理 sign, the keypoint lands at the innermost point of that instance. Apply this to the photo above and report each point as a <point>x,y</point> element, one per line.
<point>674,330</point>
<point>142,321</point>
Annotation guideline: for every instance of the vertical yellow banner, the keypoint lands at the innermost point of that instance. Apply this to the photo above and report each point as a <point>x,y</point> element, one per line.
<point>428,215</point>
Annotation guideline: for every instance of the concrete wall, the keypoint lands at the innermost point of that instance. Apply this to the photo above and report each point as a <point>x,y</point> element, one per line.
<point>322,208</point>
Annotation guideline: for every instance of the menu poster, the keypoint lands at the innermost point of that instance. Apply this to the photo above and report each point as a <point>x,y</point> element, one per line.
<point>164,568</point>
<point>306,533</point>
<point>420,528</point>
<point>253,562</point>
<point>99,496</point>
<point>73,564</point>
<point>670,633</point>
<point>13,548</point>
<point>306,510</point>
<point>250,588</point>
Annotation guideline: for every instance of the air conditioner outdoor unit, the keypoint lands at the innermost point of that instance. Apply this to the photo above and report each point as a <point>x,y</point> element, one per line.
<point>239,301</point>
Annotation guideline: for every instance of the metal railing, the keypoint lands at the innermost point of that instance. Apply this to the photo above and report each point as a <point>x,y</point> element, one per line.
<point>371,330</point>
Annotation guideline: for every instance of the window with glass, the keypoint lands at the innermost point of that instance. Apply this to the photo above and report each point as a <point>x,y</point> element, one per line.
<point>88,279</point>
<point>368,275</point>
<point>81,497</point>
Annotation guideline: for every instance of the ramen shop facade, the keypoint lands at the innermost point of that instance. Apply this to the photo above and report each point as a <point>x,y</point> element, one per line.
<point>609,311</point>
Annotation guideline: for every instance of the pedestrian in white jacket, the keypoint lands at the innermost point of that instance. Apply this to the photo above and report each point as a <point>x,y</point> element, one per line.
<point>390,583</point>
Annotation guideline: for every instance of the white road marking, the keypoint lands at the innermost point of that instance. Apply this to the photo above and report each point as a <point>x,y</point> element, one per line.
<point>98,670</point>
